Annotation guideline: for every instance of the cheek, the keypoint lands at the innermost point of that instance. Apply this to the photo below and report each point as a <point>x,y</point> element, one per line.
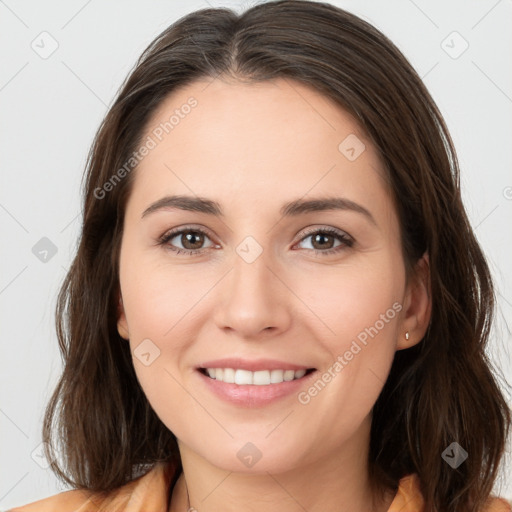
<point>162,303</point>
<point>158,308</point>
<point>347,300</point>
<point>159,296</point>
<point>357,311</point>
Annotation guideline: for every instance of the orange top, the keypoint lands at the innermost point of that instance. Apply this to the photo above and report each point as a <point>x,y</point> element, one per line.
<point>149,493</point>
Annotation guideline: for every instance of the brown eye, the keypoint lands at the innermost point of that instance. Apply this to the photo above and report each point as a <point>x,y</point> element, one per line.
<point>191,240</point>
<point>323,240</point>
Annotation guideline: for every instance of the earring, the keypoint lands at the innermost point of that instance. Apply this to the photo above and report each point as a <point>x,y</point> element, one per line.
<point>407,335</point>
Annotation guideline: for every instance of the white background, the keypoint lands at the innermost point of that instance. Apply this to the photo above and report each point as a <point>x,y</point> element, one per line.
<point>51,108</point>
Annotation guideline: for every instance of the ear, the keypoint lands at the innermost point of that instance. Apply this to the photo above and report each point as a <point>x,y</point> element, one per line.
<point>417,305</point>
<point>122,324</point>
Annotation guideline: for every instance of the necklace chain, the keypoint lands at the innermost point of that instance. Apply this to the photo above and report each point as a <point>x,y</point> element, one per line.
<point>189,508</point>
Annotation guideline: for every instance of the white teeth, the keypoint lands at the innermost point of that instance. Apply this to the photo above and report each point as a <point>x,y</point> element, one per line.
<point>229,375</point>
<point>242,377</point>
<point>276,376</point>
<point>258,378</point>
<point>261,378</point>
<point>300,373</point>
<point>289,375</point>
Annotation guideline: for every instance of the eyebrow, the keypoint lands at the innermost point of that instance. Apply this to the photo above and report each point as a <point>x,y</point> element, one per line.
<point>291,209</point>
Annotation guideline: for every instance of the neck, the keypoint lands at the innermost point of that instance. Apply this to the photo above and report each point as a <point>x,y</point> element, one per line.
<point>337,481</point>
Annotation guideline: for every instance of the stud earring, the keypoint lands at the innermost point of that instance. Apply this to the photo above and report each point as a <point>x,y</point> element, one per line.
<point>407,335</point>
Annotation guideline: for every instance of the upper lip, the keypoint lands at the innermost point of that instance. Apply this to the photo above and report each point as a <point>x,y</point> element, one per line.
<point>252,365</point>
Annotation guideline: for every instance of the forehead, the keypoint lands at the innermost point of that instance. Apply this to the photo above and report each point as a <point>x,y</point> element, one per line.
<point>216,137</point>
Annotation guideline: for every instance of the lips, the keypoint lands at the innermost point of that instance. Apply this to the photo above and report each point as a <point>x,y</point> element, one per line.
<point>253,383</point>
<point>252,365</point>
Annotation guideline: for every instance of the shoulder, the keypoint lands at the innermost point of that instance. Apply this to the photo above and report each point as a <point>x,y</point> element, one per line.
<point>409,498</point>
<point>497,504</point>
<point>147,493</point>
<point>76,500</point>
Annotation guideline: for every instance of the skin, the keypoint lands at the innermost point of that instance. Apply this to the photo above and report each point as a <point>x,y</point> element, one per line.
<point>252,148</point>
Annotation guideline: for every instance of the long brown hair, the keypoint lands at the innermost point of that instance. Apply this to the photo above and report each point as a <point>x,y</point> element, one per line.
<point>440,391</point>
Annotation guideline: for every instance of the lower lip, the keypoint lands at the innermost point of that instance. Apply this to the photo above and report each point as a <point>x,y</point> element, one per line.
<point>252,395</point>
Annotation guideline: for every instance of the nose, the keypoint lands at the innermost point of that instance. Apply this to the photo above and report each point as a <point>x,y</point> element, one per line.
<point>253,298</point>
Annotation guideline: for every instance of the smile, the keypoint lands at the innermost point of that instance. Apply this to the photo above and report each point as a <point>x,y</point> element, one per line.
<point>253,389</point>
<point>257,378</point>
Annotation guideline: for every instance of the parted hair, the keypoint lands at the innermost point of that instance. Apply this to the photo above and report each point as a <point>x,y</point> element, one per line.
<point>99,428</point>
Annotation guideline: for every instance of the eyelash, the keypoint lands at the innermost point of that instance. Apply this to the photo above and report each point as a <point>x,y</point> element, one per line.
<point>342,237</point>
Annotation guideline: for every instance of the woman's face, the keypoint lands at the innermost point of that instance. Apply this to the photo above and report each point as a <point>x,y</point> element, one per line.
<point>278,282</point>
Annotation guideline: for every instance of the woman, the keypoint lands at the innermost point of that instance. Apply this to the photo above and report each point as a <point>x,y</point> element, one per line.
<point>277,302</point>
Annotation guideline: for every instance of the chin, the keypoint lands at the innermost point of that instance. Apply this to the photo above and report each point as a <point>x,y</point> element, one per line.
<point>253,457</point>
